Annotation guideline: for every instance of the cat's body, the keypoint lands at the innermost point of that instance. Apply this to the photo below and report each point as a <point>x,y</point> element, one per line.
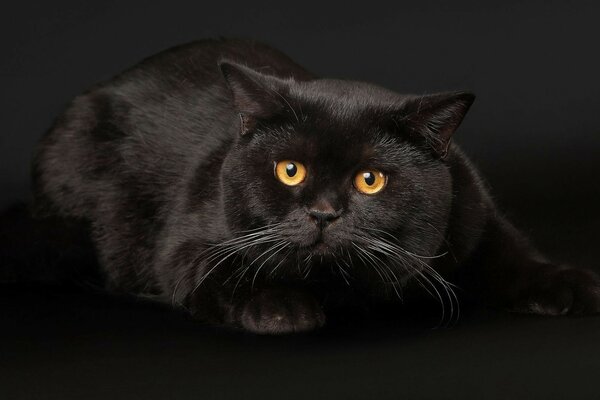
<point>171,165</point>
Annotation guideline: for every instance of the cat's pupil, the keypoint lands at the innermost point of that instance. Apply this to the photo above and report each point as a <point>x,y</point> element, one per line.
<point>291,169</point>
<point>369,178</point>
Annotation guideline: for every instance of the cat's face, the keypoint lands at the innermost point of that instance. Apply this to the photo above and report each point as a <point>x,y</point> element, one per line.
<point>337,170</point>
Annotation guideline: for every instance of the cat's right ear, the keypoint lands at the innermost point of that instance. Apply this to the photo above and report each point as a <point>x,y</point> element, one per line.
<point>255,95</point>
<point>436,117</point>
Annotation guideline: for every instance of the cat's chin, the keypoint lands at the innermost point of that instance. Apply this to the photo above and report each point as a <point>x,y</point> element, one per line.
<point>318,248</point>
<point>321,248</point>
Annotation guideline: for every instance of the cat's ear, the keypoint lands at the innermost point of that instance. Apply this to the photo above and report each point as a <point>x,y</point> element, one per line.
<point>436,117</point>
<point>255,96</point>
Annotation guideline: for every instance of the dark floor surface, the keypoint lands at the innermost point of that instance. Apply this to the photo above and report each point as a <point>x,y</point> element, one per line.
<point>66,344</point>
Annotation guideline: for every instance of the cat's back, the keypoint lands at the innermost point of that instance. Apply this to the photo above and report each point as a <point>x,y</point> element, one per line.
<point>146,128</point>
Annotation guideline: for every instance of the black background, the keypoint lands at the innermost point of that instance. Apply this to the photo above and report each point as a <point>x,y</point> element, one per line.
<point>534,131</point>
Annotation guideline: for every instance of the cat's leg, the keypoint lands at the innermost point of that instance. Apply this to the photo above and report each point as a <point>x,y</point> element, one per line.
<point>219,291</point>
<point>507,271</point>
<point>223,298</point>
<point>265,310</point>
<point>278,310</point>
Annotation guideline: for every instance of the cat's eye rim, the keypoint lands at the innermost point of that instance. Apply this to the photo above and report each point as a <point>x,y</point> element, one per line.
<point>362,184</point>
<point>289,172</point>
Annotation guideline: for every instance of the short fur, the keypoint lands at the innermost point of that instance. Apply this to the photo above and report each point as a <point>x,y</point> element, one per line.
<point>170,165</point>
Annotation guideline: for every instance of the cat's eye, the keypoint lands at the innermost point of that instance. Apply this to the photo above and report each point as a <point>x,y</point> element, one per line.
<point>370,182</point>
<point>289,172</point>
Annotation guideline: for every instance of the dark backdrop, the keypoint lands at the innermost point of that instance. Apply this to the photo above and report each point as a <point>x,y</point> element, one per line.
<point>534,131</point>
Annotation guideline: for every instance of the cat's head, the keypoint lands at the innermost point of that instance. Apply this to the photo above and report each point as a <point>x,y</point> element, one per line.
<point>342,169</point>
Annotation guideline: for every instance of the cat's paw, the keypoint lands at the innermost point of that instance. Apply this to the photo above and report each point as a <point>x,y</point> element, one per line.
<point>281,311</point>
<point>562,291</point>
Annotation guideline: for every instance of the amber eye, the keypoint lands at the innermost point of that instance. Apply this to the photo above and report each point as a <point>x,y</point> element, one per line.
<point>369,182</point>
<point>290,173</point>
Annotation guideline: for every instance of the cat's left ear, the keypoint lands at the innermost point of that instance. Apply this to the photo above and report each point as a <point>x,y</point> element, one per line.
<point>255,96</point>
<point>436,117</point>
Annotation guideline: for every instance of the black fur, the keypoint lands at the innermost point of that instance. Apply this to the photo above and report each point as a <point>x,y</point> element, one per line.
<point>171,161</point>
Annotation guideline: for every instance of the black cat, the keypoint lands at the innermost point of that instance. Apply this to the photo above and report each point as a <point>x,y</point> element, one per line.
<point>223,177</point>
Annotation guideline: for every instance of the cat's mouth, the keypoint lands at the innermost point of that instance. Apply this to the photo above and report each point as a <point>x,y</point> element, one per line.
<point>317,243</point>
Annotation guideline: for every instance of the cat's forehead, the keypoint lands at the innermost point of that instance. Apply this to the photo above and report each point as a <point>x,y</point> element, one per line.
<point>339,123</point>
<point>330,142</point>
<point>342,115</point>
<point>344,99</point>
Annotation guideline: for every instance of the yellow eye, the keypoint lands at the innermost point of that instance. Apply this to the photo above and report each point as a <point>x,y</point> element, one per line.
<point>370,182</point>
<point>289,172</point>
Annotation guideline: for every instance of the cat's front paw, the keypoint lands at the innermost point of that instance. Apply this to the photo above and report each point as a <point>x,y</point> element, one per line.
<point>281,311</point>
<point>562,291</point>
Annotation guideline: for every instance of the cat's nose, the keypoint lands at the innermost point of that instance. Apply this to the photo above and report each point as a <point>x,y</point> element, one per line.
<point>323,214</point>
<point>322,219</point>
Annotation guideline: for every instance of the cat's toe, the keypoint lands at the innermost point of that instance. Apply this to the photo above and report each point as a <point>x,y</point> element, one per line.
<point>564,291</point>
<point>585,288</point>
<point>281,311</point>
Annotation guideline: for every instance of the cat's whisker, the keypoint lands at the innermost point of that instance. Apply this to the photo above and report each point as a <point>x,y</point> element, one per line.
<point>280,262</point>
<point>308,271</point>
<point>238,281</point>
<point>308,268</point>
<point>218,252</point>
<point>215,250</point>
<point>245,238</point>
<point>176,288</point>
<point>450,294</point>
<point>225,250</point>
<point>396,282</point>
<point>307,262</point>
<point>375,260</point>
<point>394,250</point>
<point>445,240</point>
<point>234,247</point>
<point>343,272</point>
<point>280,246</point>
<point>235,273</point>
<point>244,270</point>
<point>376,246</point>
<point>365,260</point>
<point>395,240</point>
<point>452,297</point>
<point>257,258</point>
<point>349,266</point>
